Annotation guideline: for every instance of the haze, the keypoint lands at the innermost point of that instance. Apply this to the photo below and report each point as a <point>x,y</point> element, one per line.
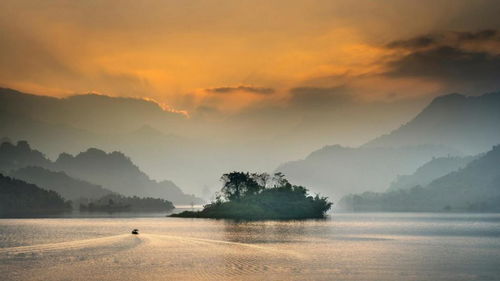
<point>245,84</point>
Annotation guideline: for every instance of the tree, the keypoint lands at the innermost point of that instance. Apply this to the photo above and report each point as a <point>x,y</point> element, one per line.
<point>261,179</point>
<point>249,198</point>
<point>280,180</point>
<point>238,184</point>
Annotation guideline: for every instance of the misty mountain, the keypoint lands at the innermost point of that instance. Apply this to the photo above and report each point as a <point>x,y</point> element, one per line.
<point>18,198</point>
<point>87,112</point>
<point>451,125</point>
<point>68,187</point>
<point>139,128</point>
<point>430,171</point>
<point>166,147</point>
<point>336,170</point>
<point>118,173</point>
<point>13,157</point>
<point>477,183</point>
<point>93,171</point>
<point>467,123</point>
<point>473,188</point>
<point>22,118</point>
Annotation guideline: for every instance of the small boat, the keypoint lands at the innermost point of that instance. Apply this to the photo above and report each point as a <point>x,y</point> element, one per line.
<point>135,231</point>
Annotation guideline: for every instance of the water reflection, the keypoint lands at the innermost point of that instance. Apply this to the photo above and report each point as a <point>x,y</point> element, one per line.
<point>350,247</point>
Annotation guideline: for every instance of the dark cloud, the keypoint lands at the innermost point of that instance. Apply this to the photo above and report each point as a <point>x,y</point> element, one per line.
<point>446,39</point>
<point>310,97</point>
<point>487,34</point>
<point>450,64</point>
<point>249,89</point>
<point>417,42</point>
<point>450,58</point>
<point>204,111</point>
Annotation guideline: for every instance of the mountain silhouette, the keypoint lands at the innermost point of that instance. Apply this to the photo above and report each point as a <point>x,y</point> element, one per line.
<point>118,173</point>
<point>469,124</point>
<point>451,125</point>
<point>13,157</point>
<point>87,112</point>
<point>476,184</point>
<point>139,128</point>
<point>430,171</point>
<point>476,187</point>
<point>90,174</point>
<point>68,187</point>
<point>336,171</point>
<point>18,198</point>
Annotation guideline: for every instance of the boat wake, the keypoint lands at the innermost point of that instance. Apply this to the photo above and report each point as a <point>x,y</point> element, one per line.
<point>115,240</point>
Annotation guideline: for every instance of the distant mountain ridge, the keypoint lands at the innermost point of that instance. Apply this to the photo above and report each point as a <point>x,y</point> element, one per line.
<point>118,173</point>
<point>451,125</point>
<point>89,174</point>
<point>140,128</point>
<point>336,171</point>
<point>88,112</point>
<point>476,187</point>
<point>467,123</point>
<point>77,122</point>
<point>13,157</point>
<point>68,187</point>
<point>430,171</point>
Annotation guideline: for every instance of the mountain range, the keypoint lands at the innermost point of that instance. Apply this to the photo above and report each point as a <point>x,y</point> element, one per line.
<point>336,170</point>
<point>160,141</point>
<point>466,123</point>
<point>438,141</point>
<point>450,126</point>
<point>118,173</point>
<point>430,171</point>
<point>476,187</point>
<point>90,174</point>
<point>68,187</point>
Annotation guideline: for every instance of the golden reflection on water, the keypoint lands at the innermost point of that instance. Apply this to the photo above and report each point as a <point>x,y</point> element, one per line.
<point>187,249</point>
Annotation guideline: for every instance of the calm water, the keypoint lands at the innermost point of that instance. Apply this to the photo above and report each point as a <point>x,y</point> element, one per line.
<point>345,247</point>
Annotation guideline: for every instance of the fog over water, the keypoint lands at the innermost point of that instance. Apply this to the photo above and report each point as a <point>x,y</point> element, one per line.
<point>346,247</point>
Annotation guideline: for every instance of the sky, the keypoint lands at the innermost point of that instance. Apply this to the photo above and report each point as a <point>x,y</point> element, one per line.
<point>332,71</point>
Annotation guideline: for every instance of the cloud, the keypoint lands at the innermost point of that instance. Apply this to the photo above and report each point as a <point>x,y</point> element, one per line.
<point>30,61</point>
<point>487,34</point>
<point>446,39</point>
<point>449,63</point>
<point>417,42</point>
<point>248,89</point>
<point>461,61</point>
<point>313,97</point>
<point>421,66</point>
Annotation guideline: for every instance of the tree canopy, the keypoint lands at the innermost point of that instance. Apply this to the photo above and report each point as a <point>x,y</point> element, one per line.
<point>254,196</point>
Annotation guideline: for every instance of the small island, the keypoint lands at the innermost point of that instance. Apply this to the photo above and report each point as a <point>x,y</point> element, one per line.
<point>117,203</point>
<point>246,196</point>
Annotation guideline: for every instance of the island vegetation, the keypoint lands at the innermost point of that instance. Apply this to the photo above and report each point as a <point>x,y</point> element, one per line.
<point>246,196</point>
<point>118,203</point>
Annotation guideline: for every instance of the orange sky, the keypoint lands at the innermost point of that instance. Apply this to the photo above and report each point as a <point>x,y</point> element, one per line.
<point>176,51</point>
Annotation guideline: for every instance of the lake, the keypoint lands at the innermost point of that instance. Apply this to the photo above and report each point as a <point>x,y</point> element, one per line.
<point>347,246</point>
